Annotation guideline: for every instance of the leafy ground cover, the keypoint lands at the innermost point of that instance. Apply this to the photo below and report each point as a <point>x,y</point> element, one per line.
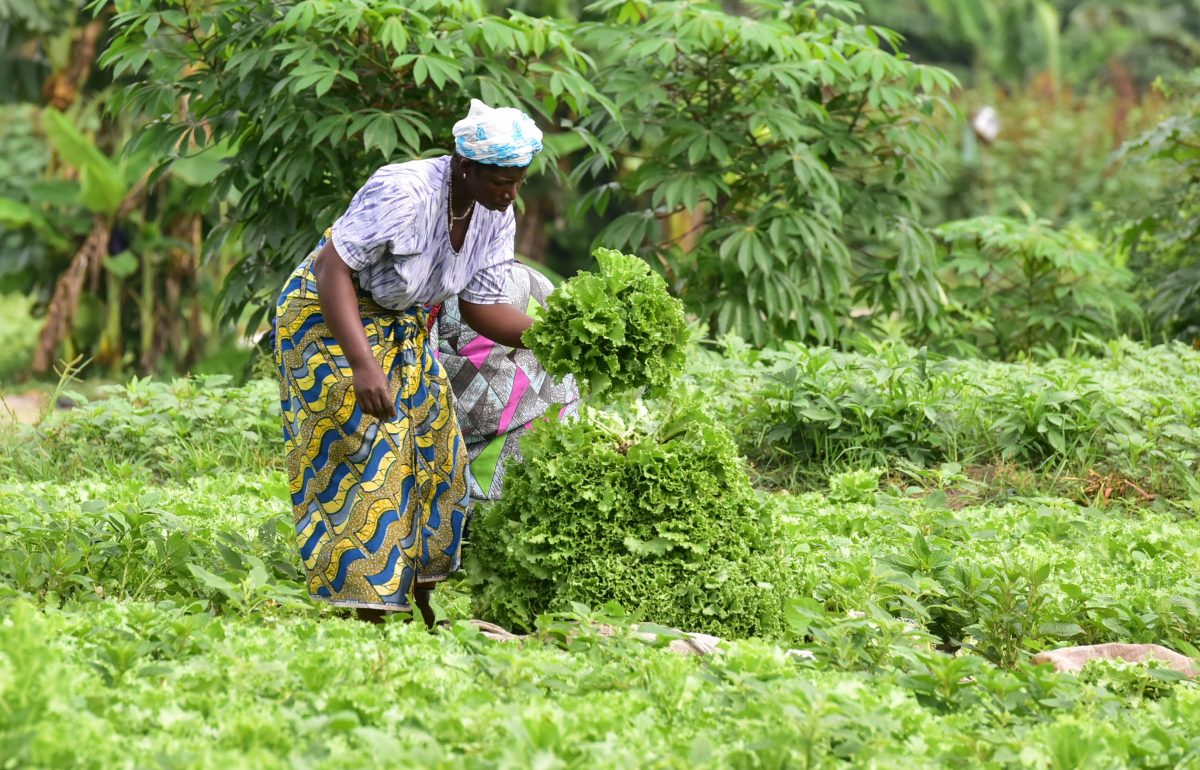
<point>139,680</point>
<point>151,609</point>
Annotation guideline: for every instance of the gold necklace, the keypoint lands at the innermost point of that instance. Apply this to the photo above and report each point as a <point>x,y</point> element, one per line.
<point>450,215</point>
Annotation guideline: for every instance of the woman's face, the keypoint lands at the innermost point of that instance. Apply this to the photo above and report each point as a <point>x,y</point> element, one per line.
<point>494,187</point>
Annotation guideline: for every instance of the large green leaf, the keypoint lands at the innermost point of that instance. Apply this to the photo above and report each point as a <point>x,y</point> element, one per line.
<point>103,188</point>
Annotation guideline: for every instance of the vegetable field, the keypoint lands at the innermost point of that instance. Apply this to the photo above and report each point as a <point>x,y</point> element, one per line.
<point>885,318</point>
<point>154,614</point>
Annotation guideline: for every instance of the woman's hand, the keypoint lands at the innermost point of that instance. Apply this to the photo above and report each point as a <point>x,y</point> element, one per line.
<point>372,391</point>
<point>339,306</point>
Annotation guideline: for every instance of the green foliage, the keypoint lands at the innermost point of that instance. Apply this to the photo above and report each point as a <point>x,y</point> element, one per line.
<point>786,144</point>
<point>1052,157</point>
<point>1130,409</point>
<point>616,330</point>
<point>1150,679</point>
<point>101,181</point>
<point>655,513</point>
<point>25,232</point>
<point>130,540</point>
<point>1026,286</point>
<point>1077,43</point>
<point>819,406</point>
<point>311,97</point>
<point>1001,581</point>
<point>1152,39</point>
<point>856,486</point>
<point>145,293</point>
<point>163,429</point>
<point>771,160</point>
<point>35,40</point>
<point>19,331</point>
<point>161,617</point>
<point>1008,40</point>
<point>1163,232</point>
<point>135,679</point>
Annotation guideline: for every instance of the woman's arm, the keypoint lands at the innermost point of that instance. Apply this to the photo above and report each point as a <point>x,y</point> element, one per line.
<point>502,323</point>
<point>339,305</point>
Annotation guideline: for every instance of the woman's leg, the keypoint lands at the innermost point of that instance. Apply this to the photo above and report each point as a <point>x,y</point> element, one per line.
<point>421,596</point>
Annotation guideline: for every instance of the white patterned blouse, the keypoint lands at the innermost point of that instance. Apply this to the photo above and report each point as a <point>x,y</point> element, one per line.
<point>395,235</point>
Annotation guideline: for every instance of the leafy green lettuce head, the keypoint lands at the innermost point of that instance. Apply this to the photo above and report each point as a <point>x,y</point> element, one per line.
<point>616,330</point>
<point>652,509</point>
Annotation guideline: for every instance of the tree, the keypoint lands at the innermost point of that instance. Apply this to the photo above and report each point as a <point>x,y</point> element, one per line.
<point>107,251</point>
<point>309,97</point>
<point>770,160</point>
<point>779,150</point>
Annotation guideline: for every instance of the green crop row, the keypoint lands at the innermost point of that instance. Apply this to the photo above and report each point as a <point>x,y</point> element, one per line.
<point>1130,409</point>
<point>1002,580</point>
<point>165,430</point>
<point>1127,409</point>
<point>225,540</point>
<point>151,612</point>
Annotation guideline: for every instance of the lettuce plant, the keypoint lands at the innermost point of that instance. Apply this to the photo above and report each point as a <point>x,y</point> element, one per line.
<point>652,510</point>
<point>616,329</point>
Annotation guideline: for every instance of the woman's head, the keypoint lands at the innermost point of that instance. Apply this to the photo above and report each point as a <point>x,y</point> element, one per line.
<point>495,147</point>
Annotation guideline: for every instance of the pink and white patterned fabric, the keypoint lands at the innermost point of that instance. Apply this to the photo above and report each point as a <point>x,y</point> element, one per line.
<point>498,390</point>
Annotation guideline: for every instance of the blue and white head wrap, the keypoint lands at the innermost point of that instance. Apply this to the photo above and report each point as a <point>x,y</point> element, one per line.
<point>501,137</point>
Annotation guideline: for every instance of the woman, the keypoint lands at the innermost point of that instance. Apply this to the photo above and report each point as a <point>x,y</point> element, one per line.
<point>377,465</point>
<point>498,390</point>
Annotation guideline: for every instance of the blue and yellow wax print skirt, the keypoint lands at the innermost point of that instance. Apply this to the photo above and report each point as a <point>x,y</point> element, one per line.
<point>378,505</point>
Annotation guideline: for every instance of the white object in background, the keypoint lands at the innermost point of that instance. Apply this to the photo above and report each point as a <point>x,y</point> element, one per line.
<point>986,124</point>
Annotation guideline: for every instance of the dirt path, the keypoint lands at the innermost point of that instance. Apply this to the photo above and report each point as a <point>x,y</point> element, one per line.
<point>21,407</point>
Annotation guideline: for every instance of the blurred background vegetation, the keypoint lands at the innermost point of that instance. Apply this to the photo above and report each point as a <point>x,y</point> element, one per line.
<point>992,178</point>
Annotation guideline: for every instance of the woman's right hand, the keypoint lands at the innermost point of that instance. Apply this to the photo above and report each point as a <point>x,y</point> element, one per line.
<point>372,391</point>
<point>339,305</point>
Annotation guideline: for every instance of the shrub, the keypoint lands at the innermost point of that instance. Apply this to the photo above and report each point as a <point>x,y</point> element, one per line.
<point>1030,286</point>
<point>770,158</point>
